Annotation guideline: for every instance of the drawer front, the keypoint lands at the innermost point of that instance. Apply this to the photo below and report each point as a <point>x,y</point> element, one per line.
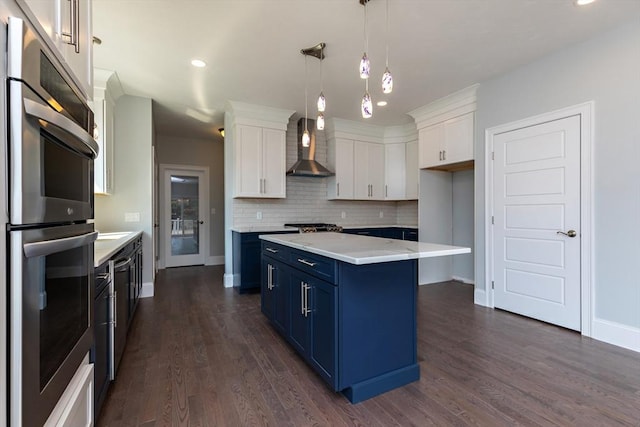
<point>316,265</point>
<point>276,251</point>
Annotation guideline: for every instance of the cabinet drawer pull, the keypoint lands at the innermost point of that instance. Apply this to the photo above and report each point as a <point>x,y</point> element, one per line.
<point>302,289</point>
<point>305,262</point>
<point>273,251</point>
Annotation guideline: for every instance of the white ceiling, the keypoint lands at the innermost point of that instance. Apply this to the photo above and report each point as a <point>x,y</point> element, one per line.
<point>252,48</point>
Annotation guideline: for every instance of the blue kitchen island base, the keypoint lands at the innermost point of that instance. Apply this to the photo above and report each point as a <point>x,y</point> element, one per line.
<point>381,384</point>
<point>355,325</point>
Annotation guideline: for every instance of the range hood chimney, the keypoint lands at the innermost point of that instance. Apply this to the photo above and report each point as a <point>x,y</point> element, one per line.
<point>306,164</point>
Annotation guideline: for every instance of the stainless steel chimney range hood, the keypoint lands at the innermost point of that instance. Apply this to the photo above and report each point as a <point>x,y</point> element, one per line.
<point>306,164</point>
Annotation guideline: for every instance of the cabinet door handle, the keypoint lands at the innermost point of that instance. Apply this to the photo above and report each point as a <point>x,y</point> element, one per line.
<point>74,25</point>
<point>273,251</point>
<point>444,154</point>
<point>115,309</point>
<point>440,155</point>
<point>305,262</point>
<point>302,308</point>
<point>305,309</point>
<point>338,191</point>
<point>386,190</point>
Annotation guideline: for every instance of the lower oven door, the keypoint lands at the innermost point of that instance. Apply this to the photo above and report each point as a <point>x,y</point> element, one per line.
<point>51,315</point>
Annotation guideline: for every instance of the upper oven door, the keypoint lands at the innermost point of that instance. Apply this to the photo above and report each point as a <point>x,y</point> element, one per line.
<point>51,162</point>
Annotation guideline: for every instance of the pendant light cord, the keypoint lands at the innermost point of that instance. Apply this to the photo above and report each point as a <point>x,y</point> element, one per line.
<point>321,80</point>
<point>305,93</point>
<point>387,36</point>
<point>366,38</point>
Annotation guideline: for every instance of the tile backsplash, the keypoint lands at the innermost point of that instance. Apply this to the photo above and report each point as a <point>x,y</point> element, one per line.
<point>307,199</point>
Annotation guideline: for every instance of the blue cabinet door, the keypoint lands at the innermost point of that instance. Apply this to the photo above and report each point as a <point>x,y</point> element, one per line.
<point>298,295</point>
<point>323,349</point>
<point>280,288</point>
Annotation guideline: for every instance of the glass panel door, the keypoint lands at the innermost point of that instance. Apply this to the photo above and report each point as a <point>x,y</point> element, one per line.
<point>185,208</point>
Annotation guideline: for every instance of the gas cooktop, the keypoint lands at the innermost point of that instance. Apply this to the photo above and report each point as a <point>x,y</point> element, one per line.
<point>312,227</point>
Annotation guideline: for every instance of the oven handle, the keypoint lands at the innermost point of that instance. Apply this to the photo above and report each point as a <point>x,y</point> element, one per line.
<point>39,111</point>
<point>119,266</point>
<point>48,247</point>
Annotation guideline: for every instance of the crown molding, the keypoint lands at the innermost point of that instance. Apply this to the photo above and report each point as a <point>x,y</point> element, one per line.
<point>258,115</point>
<point>453,105</point>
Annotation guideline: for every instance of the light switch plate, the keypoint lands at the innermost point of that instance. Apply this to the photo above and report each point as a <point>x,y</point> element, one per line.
<point>132,217</point>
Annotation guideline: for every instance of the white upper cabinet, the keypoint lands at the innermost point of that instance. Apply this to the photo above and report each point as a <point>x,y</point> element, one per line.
<point>66,26</point>
<point>447,143</point>
<point>256,137</point>
<point>370,162</point>
<point>412,175</point>
<point>446,131</point>
<point>340,155</point>
<point>368,171</point>
<point>106,91</point>
<point>260,162</point>
<point>395,167</point>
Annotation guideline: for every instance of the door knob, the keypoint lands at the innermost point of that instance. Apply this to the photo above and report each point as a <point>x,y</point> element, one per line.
<point>202,222</point>
<point>570,233</point>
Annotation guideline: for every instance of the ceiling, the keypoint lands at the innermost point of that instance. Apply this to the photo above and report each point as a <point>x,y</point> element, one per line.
<point>252,48</point>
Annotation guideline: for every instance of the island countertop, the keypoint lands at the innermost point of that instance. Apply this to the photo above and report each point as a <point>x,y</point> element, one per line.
<point>359,250</point>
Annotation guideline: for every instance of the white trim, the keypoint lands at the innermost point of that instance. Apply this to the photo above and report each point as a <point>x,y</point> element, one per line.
<point>148,290</point>
<point>616,334</point>
<point>463,280</point>
<point>480,297</point>
<point>586,113</point>
<point>453,105</point>
<point>229,280</point>
<point>164,168</point>
<point>214,260</point>
<point>258,115</point>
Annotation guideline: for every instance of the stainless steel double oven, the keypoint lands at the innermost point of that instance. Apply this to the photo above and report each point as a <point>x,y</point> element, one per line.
<point>50,235</point>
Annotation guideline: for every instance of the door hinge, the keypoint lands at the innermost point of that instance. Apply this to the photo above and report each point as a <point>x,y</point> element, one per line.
<point>493,284</point>
<point>493,155</point>
<point>493,220</point>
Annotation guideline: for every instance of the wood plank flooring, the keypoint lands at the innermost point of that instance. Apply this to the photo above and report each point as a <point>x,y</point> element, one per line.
<point>201,355</point>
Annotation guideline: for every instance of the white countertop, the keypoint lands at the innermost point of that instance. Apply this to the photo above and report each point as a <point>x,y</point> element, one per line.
<point>356,249</point>
<point>109,243</point>
<point>262,228</point>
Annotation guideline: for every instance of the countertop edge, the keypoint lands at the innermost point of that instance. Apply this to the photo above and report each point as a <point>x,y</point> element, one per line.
<point>441,250</point>
<point>112,250</point>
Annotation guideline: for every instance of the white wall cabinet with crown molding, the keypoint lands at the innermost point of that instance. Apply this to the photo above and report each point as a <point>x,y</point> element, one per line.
<point>260,160</point>
<point>447,143</point>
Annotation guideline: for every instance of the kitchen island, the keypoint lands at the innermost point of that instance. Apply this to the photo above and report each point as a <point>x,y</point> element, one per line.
<point>347,304</point>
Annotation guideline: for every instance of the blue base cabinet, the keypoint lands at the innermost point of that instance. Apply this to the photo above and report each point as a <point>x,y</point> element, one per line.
<point>399,233</point>
<point>355,325</point>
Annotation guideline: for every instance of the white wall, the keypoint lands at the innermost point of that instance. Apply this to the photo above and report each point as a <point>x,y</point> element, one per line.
<point>201,152</point>
<point>133,176</point>
<point>605,69</point>
<point>463,219</point>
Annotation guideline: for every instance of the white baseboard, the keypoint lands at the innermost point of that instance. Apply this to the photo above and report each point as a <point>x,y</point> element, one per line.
<point>480,297</point>
<point>464,280</point>
<point>147,290</point>
<point>214,260</point>
<point>616,334</point>
<point>229,280</point>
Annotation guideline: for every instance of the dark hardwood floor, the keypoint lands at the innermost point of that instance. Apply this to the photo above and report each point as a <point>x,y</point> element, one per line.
<point>201,355</point>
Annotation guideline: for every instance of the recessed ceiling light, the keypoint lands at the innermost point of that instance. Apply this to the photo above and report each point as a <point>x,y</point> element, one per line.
<point>198,63</point>
<point>583,2</point>
<point>381,103</point>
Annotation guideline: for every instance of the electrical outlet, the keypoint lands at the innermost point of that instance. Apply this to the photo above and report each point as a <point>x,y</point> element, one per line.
<point>259,215</point>
<point>213,211</point>
<point>381,214</point>
<point>343,215</point>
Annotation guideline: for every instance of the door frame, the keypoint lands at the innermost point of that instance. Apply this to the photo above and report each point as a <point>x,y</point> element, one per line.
<point>162,209</point>
<point>585,111</point>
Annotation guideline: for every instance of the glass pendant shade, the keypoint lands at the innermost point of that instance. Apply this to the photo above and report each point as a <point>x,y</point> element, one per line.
<point>367,106</point>
<point>387,81</point>
<point>306,140</point>
<point>322,103</point>
<point>320,122</point>
<point>365,66</point>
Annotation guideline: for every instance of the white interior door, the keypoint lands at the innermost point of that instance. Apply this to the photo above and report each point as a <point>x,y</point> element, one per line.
<point>183,225</point>
<point>536,232</point>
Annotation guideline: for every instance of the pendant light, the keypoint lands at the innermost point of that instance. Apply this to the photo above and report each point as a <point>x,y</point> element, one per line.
<point>387,78</point>
<point>367,105</point>
<point>306,139</point>
<point>365,64</point>
<point>322,102</point>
